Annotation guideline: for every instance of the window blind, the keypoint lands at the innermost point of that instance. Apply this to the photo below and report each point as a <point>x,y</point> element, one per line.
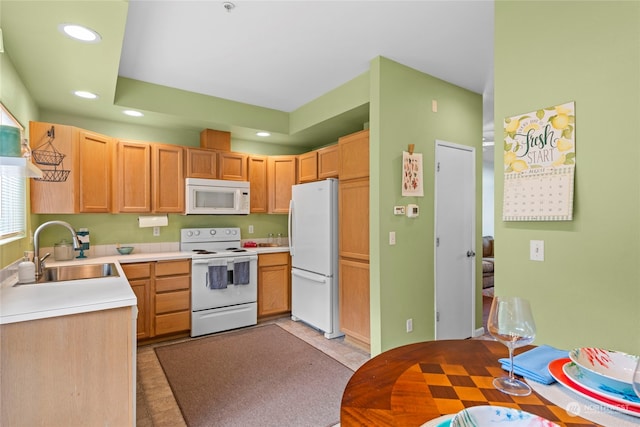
<point>12,208</point>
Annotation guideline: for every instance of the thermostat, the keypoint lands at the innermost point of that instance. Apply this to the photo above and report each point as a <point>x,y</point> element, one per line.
<point>413,211</point>
<point>398,210</point>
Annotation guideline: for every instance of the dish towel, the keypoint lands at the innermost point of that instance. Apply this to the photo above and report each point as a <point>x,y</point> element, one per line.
<point>217,271</point>
<point>241,271</point>
<point>533,364</point>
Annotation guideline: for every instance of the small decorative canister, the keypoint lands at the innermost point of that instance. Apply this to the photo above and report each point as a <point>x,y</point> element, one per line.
<point>63,251</point>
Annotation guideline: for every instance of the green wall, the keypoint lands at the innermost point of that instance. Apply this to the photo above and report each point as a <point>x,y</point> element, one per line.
<point>16,98</point>
<point>587,290</point>
<point>402,276</point>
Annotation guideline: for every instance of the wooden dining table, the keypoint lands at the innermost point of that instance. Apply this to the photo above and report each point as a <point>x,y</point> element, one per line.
<point>416,383</point>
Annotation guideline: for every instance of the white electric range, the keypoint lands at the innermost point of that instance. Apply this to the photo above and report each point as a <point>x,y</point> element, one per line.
<point>224,289</point>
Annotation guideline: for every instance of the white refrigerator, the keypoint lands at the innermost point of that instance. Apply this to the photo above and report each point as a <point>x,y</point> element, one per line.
<point>313,244</point>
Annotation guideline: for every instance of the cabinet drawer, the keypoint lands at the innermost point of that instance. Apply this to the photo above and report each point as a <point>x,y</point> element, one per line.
<point>278,258</point>
<point>172,301</point>
<point>173,322</point>
<point>165,284</point>
<point>168,268</point>
<point>137,270</point>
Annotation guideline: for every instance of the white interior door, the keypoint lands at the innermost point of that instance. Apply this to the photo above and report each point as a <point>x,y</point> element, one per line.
<point>455,241</point>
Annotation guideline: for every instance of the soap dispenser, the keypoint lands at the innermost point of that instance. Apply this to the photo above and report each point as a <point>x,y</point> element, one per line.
<point>27,269</point>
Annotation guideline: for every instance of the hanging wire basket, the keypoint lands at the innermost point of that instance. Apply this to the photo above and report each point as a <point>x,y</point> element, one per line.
<point>46,154</point>
<point>54,175</point>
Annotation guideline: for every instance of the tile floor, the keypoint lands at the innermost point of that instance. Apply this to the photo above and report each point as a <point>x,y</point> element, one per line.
<point>156,406</point>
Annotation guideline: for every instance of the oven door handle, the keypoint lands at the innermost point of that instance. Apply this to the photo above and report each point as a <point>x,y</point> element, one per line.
<point>200,261</point>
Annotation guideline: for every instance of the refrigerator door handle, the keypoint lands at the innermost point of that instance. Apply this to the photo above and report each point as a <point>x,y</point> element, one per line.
<point>312,277</point>
<point>289,229</point>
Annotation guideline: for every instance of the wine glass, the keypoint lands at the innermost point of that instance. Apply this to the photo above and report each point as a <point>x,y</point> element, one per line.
<point>511,322</point>
<point>636,379</point>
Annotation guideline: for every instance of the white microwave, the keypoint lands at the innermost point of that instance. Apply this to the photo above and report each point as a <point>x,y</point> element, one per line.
<point>216,197</point>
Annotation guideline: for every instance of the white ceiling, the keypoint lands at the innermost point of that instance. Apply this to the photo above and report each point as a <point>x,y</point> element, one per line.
<point>283,54</point>
<point>275,54</point>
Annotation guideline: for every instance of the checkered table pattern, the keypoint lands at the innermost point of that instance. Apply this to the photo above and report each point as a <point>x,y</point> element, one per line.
<point>452,388</point>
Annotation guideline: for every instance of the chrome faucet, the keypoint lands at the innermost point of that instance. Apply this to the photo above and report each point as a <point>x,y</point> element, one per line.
<point>36,243</point>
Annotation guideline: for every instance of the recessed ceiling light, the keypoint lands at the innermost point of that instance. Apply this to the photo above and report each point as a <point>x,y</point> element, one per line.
<point>133,113</point>
<point>262,133</point>
<point>80,33</point>
<point>85,94</point>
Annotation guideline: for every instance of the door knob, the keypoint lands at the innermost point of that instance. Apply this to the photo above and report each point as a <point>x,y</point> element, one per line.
<point>470,254</point>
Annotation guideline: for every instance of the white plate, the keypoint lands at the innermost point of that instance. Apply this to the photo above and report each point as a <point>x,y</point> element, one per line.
<point>613,366</point>
<point>498,415</point>
<point>443,421</point>
<point>576,374</point>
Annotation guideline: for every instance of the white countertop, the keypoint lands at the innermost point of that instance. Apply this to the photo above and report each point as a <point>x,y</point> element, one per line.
<point>43,300</point>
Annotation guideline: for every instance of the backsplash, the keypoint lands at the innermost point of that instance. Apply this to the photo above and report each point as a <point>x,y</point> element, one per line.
<point>96,251</point>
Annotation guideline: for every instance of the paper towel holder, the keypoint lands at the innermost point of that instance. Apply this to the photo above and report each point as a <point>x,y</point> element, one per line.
<point>153,221</point>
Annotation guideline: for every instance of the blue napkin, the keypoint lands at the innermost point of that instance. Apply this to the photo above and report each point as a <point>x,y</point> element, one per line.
<point>533,364</point>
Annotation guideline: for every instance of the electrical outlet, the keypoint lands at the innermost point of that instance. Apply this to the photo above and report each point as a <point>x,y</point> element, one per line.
<point>409,325</point>
<point>251,229</point>
<point>156,231</point>
<point>392,237</point>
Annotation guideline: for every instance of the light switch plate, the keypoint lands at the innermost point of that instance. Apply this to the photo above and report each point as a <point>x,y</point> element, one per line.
<point>392,237</point>
<point>536,250</point>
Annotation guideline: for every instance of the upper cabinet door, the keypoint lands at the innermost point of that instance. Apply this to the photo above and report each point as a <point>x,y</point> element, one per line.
<point>96,152</point>
<point>168,178</point>
<point>201,163</point>
<point>133,171</point>
<point>328,162</point>
<point>354,155</point>
<point>257,172</point>
<point>308,167</point>
<point>232,166</point>
<point>281,175</point>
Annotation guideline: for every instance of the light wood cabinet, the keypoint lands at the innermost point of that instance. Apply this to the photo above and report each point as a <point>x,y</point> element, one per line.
<point>328,162</point>
<point>133,182</point>
<point>318,164</point>
<point>354,299</point>
<point>150,177</point>
<point>257,175</point>
<point>167,181</point>
<point>274,284</point>
<point>165,308</point>
<point>69,370</point>
<point>353,199</point>
<point>281,175</point>
<point>96,153</point>
<point>308,167</point>
<point>232,166</point>
<point>87,157</point>
<point>354,155</point>
<point>201,163</point>
<point>139,276</point>
<point>172,297</point>
<point>354,236</point>
<point>215,139</point>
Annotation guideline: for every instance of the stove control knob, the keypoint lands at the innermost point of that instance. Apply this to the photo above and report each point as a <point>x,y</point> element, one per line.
<point>189,233</point>
<point>212,232</point>
<point>227,231</point>
<point>234,232</point>
<point>197,232</point>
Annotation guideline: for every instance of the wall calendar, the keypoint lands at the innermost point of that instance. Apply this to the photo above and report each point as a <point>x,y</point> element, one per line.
<point>539,165</point>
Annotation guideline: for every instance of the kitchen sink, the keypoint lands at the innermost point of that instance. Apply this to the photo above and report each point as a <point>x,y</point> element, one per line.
<point>76,272</point>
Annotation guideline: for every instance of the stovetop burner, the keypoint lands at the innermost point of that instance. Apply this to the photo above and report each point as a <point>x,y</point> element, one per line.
<point>236,250</point>
<point>203,251</point>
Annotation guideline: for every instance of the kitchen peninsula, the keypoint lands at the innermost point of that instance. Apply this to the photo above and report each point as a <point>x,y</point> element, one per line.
<point>71,347</point>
